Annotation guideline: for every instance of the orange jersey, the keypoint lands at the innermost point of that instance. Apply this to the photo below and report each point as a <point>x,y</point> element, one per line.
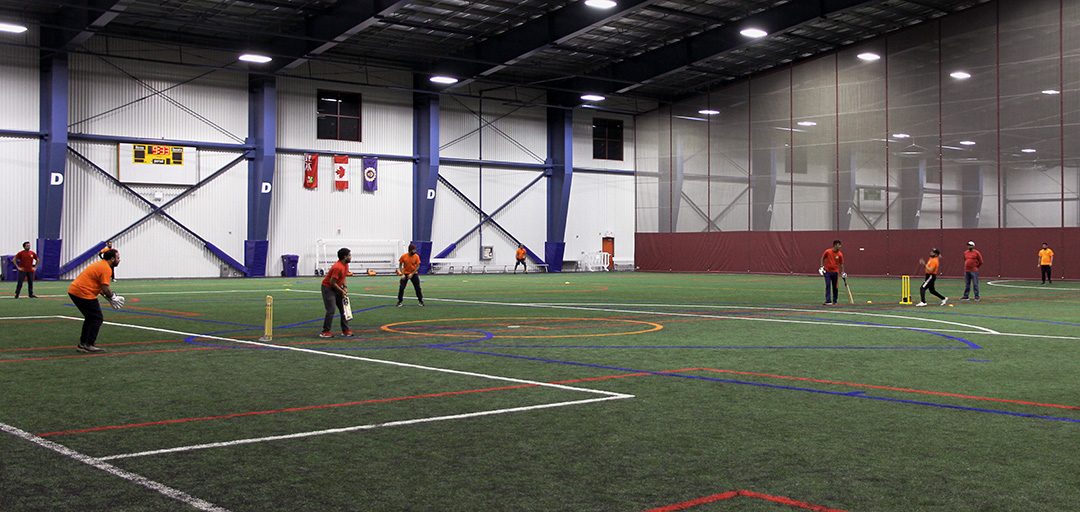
<point>932,266</point>
<point>521,253</point>
<point>1046,257</point>
<point>409,263</point>
<point>88,284</point>
<point>832,259</point>
<point>337,274</point>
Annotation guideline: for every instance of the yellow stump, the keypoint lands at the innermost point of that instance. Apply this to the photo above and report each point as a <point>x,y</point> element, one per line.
<point>268,328</point>
<point>905,290</point>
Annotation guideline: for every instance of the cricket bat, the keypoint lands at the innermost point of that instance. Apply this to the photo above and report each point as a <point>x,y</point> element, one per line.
<point>347,307</point>
<point>851,298</point>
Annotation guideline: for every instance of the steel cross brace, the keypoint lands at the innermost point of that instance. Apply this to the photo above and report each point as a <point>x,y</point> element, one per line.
<point>486,218</point>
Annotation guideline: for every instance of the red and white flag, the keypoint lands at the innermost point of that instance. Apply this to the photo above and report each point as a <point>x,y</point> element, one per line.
<point>311,170</point>
<point>341,172</point>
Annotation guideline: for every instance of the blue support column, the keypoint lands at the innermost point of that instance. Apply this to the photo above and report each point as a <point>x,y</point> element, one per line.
<point>560,128</point>
<point>262,127</point>
<point>52,159</point>
<point>425,173</point>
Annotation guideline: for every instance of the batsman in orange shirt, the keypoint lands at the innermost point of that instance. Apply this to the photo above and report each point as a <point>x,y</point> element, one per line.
<point>84,291</point>
<point>409,267</point>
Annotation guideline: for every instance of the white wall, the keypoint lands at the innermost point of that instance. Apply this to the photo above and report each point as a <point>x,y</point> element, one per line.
<point>601,205</point>
<point>19,91</point>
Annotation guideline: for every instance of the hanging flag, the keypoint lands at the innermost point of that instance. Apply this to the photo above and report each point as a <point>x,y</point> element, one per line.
<point>341,172</point>
<point>311,170</point>
<point>371,174</point>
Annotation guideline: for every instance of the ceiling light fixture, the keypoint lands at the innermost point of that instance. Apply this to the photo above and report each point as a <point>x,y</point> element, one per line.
<point>13,28</point>
<point>601,4</point>
<point>443,79</point>
<point>806,123</point>
<point>256,58</point>
<point>753,33</point>
<point>708,112</point>
<point>1027,150</point>
<point>960,75</point>
<point>869,56</point>
<point>967,143</point>
<point>592,97</point>
<point>901,136</point>
<point>1051,92</point>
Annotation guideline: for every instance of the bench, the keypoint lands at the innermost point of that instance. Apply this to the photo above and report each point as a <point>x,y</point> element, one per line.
<point>464,265</point>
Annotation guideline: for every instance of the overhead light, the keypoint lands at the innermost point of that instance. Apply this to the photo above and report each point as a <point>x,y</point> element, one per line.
<point>960,75</point>
<point>601,4</point>
<point>806,123</point>
<point>912,150</point>
<point>709,112</point>
<point>1027,150</point>
<point>1051,92</point>
<point>256,58</point>
<point>967,143</point>
<point>592,97</point>
<point>901,136</point>
<point>869,56</point>
<point>753,33</point>
<point>442,79</point>
<point>954,148</point>
<point>13,28</point>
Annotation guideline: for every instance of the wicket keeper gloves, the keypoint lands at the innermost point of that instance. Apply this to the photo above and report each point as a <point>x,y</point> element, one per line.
<point>821,270</point>
<point>117,301</point>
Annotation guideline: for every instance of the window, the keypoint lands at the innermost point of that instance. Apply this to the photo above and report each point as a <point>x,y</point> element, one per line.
<point>339,115</point>
<point>607,139</point>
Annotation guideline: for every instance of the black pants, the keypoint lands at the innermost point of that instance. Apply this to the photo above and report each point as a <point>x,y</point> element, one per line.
<point>333,302</point>
<point>1045,275</point>
<point>91,311</point>
<point>522,263</point>
<point>415,284</point>
<point>832,286</point>
<point>928,285</point>
<point>29,276</point>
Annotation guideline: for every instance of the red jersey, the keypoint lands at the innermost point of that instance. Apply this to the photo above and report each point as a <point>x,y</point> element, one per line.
<point>831,259</point>
<point>337,274</point>
<point>972,260</point>
<point>26,260</point>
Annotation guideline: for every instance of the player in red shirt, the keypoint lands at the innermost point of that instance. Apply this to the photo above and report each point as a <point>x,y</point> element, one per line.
<point>333,294</point>
<point>832,267</point>
<point>25,262</point>
<point>409,267</point>
<point>973,261</point>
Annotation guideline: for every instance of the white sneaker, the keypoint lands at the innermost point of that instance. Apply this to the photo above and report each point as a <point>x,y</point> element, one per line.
<point>920,305</point>
<point>944,301</point>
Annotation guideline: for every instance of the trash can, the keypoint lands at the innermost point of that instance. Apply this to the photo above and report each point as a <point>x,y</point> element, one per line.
<point>289,262</point>
<point>8,272</point>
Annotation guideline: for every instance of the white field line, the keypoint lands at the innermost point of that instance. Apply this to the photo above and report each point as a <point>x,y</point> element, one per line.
<point>367,359</point>
<point>1055,288</point>
<point>140,294</point>
<point>980,329</point>
<point>42,317</point>
<point>158,487</point>
<point>361,427</point>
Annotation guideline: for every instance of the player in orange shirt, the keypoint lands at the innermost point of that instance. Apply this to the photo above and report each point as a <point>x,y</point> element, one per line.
<point>84,291</point>
<point>409,266</point>
<point>932,269</point>
<point>520,256</point>
<point>25,262</point>
<point>334,292</point>
<point>1046,262</point>
<point>832,267</point>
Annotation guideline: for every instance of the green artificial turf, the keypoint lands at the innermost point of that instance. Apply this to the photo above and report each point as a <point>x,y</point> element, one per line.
<point>737,382</point>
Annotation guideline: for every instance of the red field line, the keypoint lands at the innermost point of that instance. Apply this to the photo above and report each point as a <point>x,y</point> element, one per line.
<point>892,388</point>
<point>187,314</point>
<point>745,494</point>
<point>107,354</point>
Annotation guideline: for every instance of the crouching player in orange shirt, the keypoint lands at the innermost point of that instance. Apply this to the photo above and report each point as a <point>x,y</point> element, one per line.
<point>520,257</point>
<point>932,269</point>
<point>409,266</point>
<point>84,291</point>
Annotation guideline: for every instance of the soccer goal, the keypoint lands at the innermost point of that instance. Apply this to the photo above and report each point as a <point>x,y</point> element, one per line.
<point>380,256</point>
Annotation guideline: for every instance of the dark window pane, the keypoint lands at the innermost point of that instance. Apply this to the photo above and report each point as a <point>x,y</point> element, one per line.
<point>327,127</point>
<point>607,139</point>
<point>599,149</point>
<point>349,128</point>
<point>350,105</point>
<point>614,150</point>
<point>327,102</point>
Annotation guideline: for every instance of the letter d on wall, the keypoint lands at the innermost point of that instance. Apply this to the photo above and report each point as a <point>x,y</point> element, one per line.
<point>266,187</point>
<point>431,193</point>
<point>56,179</point>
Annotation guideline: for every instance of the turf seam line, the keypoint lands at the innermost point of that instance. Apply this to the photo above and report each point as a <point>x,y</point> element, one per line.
<point>372,426</point>
<point>783,500</point>
<point>160,488</point>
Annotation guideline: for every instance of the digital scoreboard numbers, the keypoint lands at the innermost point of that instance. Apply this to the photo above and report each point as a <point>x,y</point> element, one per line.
<point>157,155</point>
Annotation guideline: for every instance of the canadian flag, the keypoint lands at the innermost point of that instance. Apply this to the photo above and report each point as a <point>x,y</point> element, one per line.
<point>341,172</point>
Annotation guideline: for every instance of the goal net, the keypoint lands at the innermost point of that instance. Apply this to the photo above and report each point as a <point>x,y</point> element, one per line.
<point>377,255</point>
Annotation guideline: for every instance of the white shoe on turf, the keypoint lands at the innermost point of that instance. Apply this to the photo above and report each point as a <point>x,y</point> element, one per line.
<point>944,301</point>
<point>921,305</point>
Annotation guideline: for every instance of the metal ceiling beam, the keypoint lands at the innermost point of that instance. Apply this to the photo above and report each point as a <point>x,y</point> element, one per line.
<point>80,23</point>
<point>334,26</point>
<point>557,27</point>
<point>707,45</point>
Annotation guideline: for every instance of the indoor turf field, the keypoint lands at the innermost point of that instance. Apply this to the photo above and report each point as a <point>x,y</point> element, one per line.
<point>625,391</point>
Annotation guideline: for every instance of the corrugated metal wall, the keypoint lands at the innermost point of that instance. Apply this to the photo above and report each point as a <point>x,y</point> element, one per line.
<point>600,206</point>
<point>19,91</point>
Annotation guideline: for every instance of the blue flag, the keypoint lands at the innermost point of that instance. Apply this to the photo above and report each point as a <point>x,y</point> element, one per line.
<point>371,174</point>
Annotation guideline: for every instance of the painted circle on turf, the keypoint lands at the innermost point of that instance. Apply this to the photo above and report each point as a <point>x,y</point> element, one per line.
<point>648,327</point>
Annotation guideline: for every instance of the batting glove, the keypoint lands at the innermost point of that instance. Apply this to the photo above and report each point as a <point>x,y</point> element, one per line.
<point>117,302</point>
<point>821,270</point>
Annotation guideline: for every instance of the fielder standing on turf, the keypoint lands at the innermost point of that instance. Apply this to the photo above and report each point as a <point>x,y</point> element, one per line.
<point>973,261</point>
<point>409,266</point>
<point>1046,261</point>
<point>25,262</point>
<point>334,292</point>
<point>520,256</point>
<point>832,267</point>
<point>933,267</point>
<point>84,291</point>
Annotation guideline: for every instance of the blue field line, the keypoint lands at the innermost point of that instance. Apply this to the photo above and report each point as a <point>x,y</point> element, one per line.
<point>194,340</point>
<point>178,317</point>
<point>723,347</point>
<point>320,319</point>
<point>861,396</point>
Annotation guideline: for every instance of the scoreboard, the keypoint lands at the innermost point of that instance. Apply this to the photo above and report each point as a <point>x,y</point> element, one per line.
<point>158,164</point>
<point>157,155</point>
